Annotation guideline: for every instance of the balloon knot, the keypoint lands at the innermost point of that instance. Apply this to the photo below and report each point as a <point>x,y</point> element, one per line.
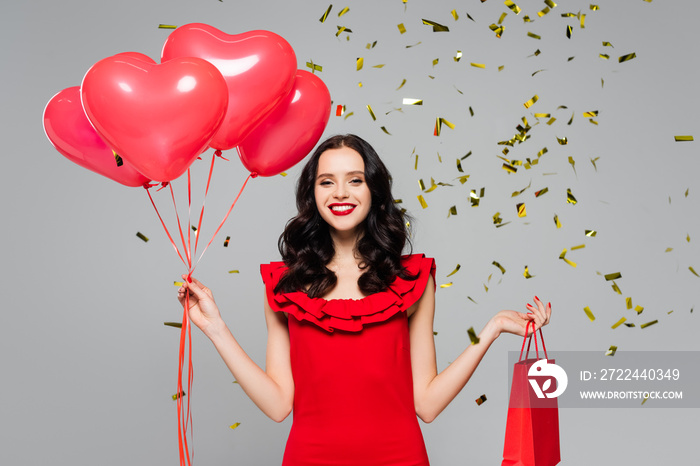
<point>253,175</point>
<point>163,185</point>
<point>218,154</point>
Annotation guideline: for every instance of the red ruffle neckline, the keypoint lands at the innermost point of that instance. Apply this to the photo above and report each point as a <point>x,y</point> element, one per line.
<point>350,315</point>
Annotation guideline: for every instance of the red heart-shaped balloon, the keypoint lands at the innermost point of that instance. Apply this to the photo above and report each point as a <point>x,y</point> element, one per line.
<point>258,67</point>
<point>158,117</point>
<point>72,135</point>
<point>293,128</point>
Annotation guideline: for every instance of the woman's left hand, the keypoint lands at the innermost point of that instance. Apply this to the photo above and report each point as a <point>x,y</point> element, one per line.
<point>517,322</point>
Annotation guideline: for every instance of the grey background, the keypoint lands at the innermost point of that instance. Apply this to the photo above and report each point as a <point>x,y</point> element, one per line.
<point>88,369</point>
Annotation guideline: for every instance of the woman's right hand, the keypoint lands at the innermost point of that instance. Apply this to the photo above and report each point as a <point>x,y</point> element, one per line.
<point>203,310</point>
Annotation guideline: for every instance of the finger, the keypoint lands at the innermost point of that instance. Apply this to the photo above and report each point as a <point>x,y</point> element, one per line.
<point>549,312</point>
<point>540,310</point>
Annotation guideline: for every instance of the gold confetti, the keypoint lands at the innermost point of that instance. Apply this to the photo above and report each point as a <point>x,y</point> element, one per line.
<point>639,309</point>
<point>478,65</point>
<point>422,201</point>
<point>583,21</point>
<point>526,273</point>
<point>542,12</point>
<point>325,15</point>
<point>533,35</point>
<point>178,283</point>
<point>142,236</point>
<point>590,114</point>
<point>550,3</point>
<point>452,211</point>
<point>435,62</point>
<point>402,28</point>
<point>167,26</point>
<point>233,426</point>
<point>668,250</point>
<point>562,256</point>
<point>591,233</point>
<point>542,115</point>
<point>541,192</point>
<point>178,395</point>
<point>608,44</point>
<point>611,351</point>
<point>372,45</point>
<point>371,113</point>
<point>459,166</point>
<point>471,112</point>
<point>556,221</point>
<point>446,285</point>
<point>580,246</point>
<point>342,29</point>
<point>649,324</point>
<point>497,218</point>
<point>360,63</point>
<point>618,323</point>
<point>454,14</point>
<point>479,401</point>
<point>570,121</point>
<point>613,276</point>
<point>117,158</point>
<point>457,57</point>
<point>503,16</point>
<point>436,26</point>
<point>521,210</point>
<point>515,8</point>
<point>530,102</point>
<point>402,83</point>
<point>234,271</point>
<point>627,57</point>
<point>562,141</point>
<point>173,324</point>
<point>498,30</point>
<point>348,115</point>
<point>476,198</point>
<point>588,312</point>
<point>604,56</point>
<point>692,270</point>
<point>418,43</point>
<point>383,128</point>
<point>628,303</point>
<point>454,271</point>
<point>683,138</point>
<point>472,335</point>
<point>568,31</point>
<point>594,7</point>
<point>593,161</point>
<point>616,288</point>
<point>509,168</point>
<point>314,67</point>
<point>343,11</point>
<point>500,267</point>
<point>570,197</point>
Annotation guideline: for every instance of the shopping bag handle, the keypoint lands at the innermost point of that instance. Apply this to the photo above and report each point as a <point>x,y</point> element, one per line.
<point>534,334</point>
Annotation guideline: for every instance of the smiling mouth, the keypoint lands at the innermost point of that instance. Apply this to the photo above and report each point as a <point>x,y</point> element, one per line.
<point>342,209</point>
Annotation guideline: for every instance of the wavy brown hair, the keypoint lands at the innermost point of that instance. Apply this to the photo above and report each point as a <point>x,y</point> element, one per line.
<point>306,245</point>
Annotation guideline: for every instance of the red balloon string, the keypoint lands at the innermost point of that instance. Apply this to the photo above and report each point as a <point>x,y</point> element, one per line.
<point>206,192</point>
<point>163,223</point>
<point>179,227</point>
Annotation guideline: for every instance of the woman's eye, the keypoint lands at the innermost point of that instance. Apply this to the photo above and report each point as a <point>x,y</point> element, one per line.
<point>356,181</point>
<point>325,183</point>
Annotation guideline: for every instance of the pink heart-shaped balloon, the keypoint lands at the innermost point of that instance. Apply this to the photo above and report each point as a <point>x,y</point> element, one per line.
<point>158,117</point>
<point>293,128</point>
<point>72,135</point>
<point>258,67</point>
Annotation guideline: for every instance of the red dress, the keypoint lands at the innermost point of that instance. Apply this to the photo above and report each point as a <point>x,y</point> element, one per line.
<point>351,363</point>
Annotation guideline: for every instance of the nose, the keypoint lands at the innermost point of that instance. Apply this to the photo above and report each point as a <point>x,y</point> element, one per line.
<point>341,191</point>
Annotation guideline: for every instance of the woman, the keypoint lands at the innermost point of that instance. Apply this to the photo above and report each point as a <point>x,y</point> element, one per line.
<point>350,322</point>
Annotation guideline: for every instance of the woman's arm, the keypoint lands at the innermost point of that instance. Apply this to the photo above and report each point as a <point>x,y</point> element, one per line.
<point>272,389</point>
<point>432,392</point>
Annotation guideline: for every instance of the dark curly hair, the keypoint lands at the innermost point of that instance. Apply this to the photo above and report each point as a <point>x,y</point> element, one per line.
<point>306,245</point>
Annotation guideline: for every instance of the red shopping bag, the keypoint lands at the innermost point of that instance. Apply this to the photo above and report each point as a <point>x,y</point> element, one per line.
<point>532,428</point>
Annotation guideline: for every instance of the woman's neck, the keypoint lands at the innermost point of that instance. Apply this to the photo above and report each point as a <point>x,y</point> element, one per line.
<point>345,245</point>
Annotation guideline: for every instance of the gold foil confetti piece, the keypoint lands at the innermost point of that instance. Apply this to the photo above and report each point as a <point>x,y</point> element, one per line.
<point>454,14</point>
<point>178,283</point>
<point>572,162</point>
<point>602,82</point>
<point>542,152</point>
<point>117,158</point>
<point>594,7</point>
<point>541,192</point>
<point>469,16</point>
<point>233,426</point>
<point>476,198</point>
<point>611,351</point>
<point>446,285</point>
<point>500,68</point>
<point>348,115</point>
<point>591,233</point>
<point>627,57</point>
<point>543,12</point>
<point>417,43</point>
<point>398,201</point>
<point>371,46</point>
<point>534,36</point>
<point>543,115</point>
<point>515,8</point>
<point>470,299</point>
<point>522,212</point>
<point>423,204</point>
<point>421,184</point>
<point>562,256</point>
<point>613,276</point>
<point>325,15</point>
<point>402,28</point>
<point>454,271</point>
<point>556,221</point>
<point>538,71</point>
<point>582,23</point>
<point>526,273</point>
<point>497,218</point>
<point>360,63</point>
<point>629,324</point>
<point>383,128</point>
<point>509,168</point>
<point>452,211</point>
<point>435,333</point>
<point>530,102</point>
<point>588,312</point>
<point>402,83</point>
<point>648,324</point>
<point>562,141</point>
<point>437,27</point>
<point>571,120</point>
<point>670,312</point>
<point>173,324</point>
<point>500,267</point>
<point>343,11</point>
<point>369,108</point>
<point>467,155</point>
<point>668,250</point>
<point>432,187</point>
<point>459,166</point>
<point>619,322</point>
<point>570,197</point>
<point>550,3</point>
<point>234,271</point>
<point>608,44</point>
<point>686,192</point>
<point>472,334</point>
<point>178,395</point>
<point>687,238</point>
<point>568,31</point>
<point>593,122</point>
<point>471,111</point>
<point>143,237</point>
<point>639,309</point>
<point>604,56</point>
<point>314,67</point>
<point>478,65</point>
<point>416,165</point>
<point>194,228</point>
<point>593,161</point>
<point>503,16</point>
<point>616,288</point>
<point>479,401</point>
<point>526,19</point>
<point>167,26</point>
<point>683,138</point>
<point>457,57</point>
<point>551,120</point>
<point>342,29</point>
<point>435,62</point>
<point>692,270</point>
<point>580,246</point>
<point>591,114</point>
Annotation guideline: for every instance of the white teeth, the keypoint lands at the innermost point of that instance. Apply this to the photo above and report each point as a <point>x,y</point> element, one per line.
<point>341,208</point>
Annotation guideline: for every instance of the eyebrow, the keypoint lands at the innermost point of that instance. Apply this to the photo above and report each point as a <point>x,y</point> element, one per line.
<point>330,175</point>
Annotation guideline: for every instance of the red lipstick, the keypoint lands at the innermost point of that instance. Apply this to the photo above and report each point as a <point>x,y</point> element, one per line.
<point>342,212</point>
